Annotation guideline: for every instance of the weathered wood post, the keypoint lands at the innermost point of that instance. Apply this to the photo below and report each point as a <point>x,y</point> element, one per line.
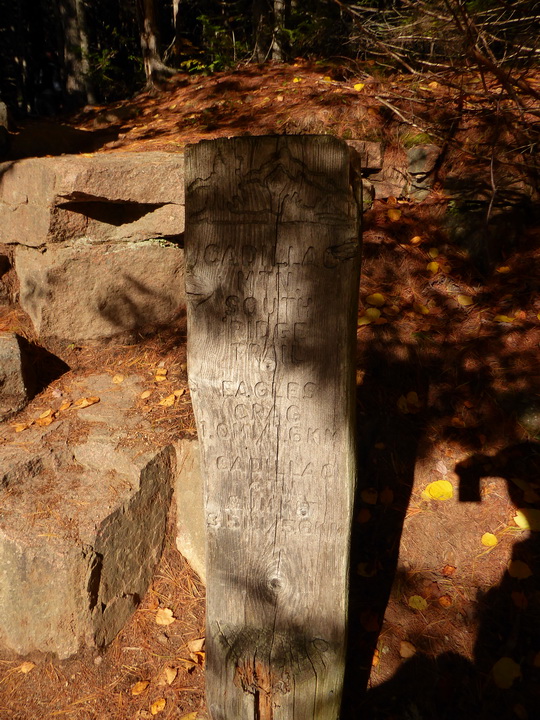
<point>272,270</point>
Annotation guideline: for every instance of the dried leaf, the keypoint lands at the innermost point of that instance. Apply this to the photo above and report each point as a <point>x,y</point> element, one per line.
<point>376,299</point>
<point>158,706</point>
<point>161,371</point>
<point>168,401</point>
<point>373,313</point>
<point>26,667</point>
<point>85,402</point>
<point>363,516</point>
<point>44,422</point>
<point>198,657</point>
<point>393,214</point>
<point>503,269</point>
<point>160,378</point>
<point>391,310</point>
<point>359,86</point>
<point>519,599</point>
<point>297,79</point>
<point>364,320</point>
<point>403,405</point>
<point>504,672</point>
<point>146,394</point>
<point>417,602</point>
<point>528,519</point>
<point>189,716</point>
<point>45,414</point>
<point>19,427</point>
<point>412,399</point>
<point>117,379</point>
<point>369,496</point>
<point>164,616</point>
<point>64,406</point>
<point>438,490</point>
<point>179,393</point>
<point>503,319</point>
<point>519,570</point>
<point>376,658</point>
<point>489,539</point>
<point>168,675</point>
<point>433,252</point>
<point>433,267</point>
<point>416,240</point>
<point>406,649</point>
<point>448,570</point>
<point>327,78</point>
<point>445,601</point>
<point>465,300</point>
<point>195,646</point>
<point>386,496</point>
<point>422,309</point>
<point>139,687</point>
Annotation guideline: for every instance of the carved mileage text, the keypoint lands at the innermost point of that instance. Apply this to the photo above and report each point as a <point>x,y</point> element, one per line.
<point>272,267</point>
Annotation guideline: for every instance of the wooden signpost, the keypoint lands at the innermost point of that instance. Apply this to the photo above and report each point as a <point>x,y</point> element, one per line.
<point>272,271</point>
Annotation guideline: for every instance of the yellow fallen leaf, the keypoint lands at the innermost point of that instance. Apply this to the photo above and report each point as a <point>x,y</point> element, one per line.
<point>376,299</point>
<point>64,406</point>
<point>406,649</point>
<point>433,253</point>
<point>359,86</point>
<point>44,422</point>
<point>26,667</point>
<point>160,378</point>
<point>297,79</point>
<point>504,672</point>
<point>528,519</point>
<point>465,300</point>
<point>161,371</point>
<point>393,214</point>
<point>417,602</point>
<point>158,706</point>
<point>196,645</point>
<point>376,658</point>
<point>422,309</point>
<point>433,85</point>
<point>189,716</point>
<point>117,379</point>
<point>433,267</point>
<point>438,490</point>
<point>391,310</point>
<point>179,393</point>
<point>164,616</point>
<point>489,539</point>
<point>519,570</point>
<point>364,320</point>
<point>20,427</point>
<point>139,687</point>
<point>445,601</point>
<point>369,496</point>
<point>168,401</point>
<point>373,313</point>
<point>503,319</point>
<point>327,78</point>
<point>503,269</point>
<point>198,658</point>
<point>45,414</point>
<point>146,394</point>
<point>416,240</point>
<point>168,675</point>
<point>85,402</point>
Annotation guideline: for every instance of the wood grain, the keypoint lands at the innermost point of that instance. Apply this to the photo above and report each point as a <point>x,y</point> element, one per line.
<point>272,271</point>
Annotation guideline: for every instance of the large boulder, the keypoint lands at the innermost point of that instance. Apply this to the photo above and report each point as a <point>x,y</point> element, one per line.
<point>107,197</point>
<point>84,511</point>
<point>16,375</point>
<point>82,292</point>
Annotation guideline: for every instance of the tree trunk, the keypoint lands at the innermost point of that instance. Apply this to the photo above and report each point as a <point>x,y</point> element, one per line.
<point>279,25</point>
<point>154,68</point>
<point>272,269</point>
<point>260,48</point>
<point>76,67</point>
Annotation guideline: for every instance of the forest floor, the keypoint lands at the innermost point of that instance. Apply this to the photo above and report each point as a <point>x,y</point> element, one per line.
<point>445,578</point>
